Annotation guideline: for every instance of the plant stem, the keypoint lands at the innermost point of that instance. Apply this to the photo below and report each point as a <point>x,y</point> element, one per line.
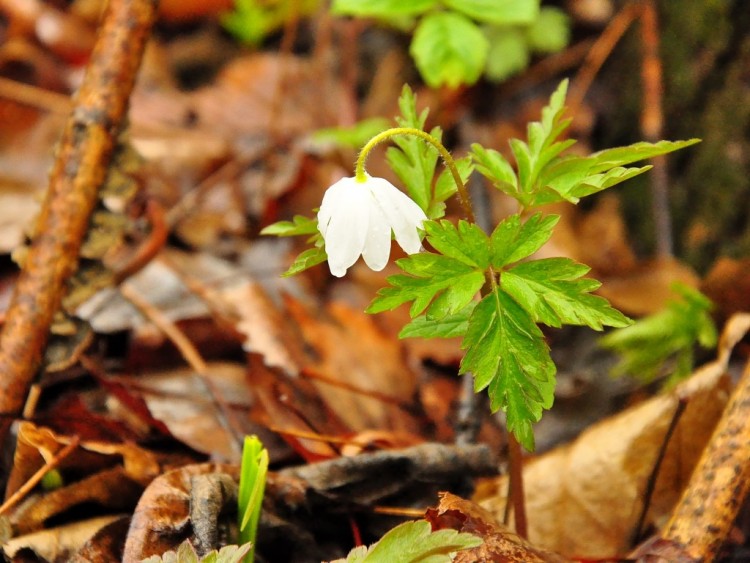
<point>463,193</point>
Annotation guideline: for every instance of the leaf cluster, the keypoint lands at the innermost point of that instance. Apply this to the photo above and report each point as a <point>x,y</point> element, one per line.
<point>414,542</point>
<point>490,291</point>
<point>665,341</point>
<point>455,42</point>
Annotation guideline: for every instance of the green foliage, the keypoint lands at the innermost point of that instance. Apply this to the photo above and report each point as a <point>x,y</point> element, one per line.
<point>546,175</point>
<point>351,137</point>
<point>665,341</point>
<point>186,554</point>
<point>253,472</point>
<point>449,49</point>
<point>251,21</point>
<point>414,542</point>
<point>505,350</point>
<point>456,41</point>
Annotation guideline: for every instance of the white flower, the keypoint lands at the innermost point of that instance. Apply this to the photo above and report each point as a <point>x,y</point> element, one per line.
<point>358,217</point>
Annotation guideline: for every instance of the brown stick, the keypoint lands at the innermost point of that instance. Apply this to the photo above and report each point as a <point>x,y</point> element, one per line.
<point>652,122</point>
<point>84,153</point>
<point>720,483</point>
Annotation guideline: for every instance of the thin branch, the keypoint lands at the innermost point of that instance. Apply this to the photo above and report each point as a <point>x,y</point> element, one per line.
<point>81,163</point>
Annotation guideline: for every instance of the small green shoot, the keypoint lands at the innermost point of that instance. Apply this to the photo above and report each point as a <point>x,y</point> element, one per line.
<point>253,472</point>
<point>251,21</point>
<point>414,542</point>
<point>665,341</point>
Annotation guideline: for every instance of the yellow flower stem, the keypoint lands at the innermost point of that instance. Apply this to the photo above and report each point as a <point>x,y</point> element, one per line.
<point>463,193</point>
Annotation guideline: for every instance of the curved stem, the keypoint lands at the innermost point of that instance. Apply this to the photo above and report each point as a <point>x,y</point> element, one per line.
<point>463,193</point>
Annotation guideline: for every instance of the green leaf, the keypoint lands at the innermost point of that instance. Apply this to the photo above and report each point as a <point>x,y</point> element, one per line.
<point>620,156</point>
<point>494,166</point>
<point>307,259</point>
<point>665,341</point>
<point>512,240</point>
<point>509,52</point>
<point>381,8</point>
<point>498,12</point>
<point>444,284</point>
<point>186,554</point>
<point>414,542</point>
<point>507,354</point>
<point>353,137</point>
<point>553,292</point>
<point>449,49</point>
<point>448,327</point>
<point>412,159</point>
<point>299,225</point>
<point>550,31</point>
<point>467,243</point>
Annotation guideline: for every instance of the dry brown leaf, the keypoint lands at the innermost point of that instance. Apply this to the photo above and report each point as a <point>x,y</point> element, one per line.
<point>267,331</point>
<point>58,544</point>
<point>179,398</point>
<point>37,445</point>
<point>161,519</point>
<point>648,287</point>
<point>500,544</point>
<point>583,499</point>
<point>347,346</point>
<point>728,286</point>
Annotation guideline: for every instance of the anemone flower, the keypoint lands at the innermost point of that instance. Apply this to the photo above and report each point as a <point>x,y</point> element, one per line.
<point>358,216</point>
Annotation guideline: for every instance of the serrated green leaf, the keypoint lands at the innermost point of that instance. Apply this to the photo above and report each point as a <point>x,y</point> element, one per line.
<point>620,156</point>
<point>299,225</point>
<point>448,327</point>
<point>498,12</point>
<point>494,166</point>
<point>550,31</point>
<point>652,344</point>
<point>508,54</point>
<point>553,292</point>
<point>444,284</point>
<point>448,49</point>
<point>513,240</point>
<point>186,554</point>
<point>466,243</point>
<point>413,160</point>
<point>415,542</point>
<point>307,259</point>
<point>507,354</point>
<point>381,8</point>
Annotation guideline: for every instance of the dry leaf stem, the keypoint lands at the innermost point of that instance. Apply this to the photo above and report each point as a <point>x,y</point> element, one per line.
<point>720,483</point>
<point>80,167</point>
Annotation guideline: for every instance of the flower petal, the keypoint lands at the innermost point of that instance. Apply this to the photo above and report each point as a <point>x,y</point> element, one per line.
<point>403,214</point>
<point>343,221</point>
<point>377,248</point>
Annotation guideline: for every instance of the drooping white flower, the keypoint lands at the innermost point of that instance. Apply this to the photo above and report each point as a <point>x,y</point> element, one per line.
<point>357,217</point>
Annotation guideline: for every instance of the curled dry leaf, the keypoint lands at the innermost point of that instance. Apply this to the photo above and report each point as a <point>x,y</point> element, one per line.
<point>500,543</point>
<point>161,519</point>
<point>584,499</point>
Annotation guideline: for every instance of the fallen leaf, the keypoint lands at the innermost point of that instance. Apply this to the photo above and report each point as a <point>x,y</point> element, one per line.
<point>500,543</point>
<point>583,499</point>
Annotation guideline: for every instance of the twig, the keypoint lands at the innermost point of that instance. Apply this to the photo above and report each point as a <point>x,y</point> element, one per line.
<point>652,478</point>
<point>33,96</point>
<point>720,483</point>
<point>652,121</point>
<point>84,153</point>
<point>26,488</point>
<point>598,54</point>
